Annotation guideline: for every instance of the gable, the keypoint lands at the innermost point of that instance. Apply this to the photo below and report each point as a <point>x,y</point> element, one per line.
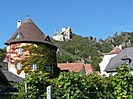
<point>18,35</point>
<point>48,39</point>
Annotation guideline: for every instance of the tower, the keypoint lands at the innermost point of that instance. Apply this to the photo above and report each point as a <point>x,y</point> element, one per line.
<point>27,33</point>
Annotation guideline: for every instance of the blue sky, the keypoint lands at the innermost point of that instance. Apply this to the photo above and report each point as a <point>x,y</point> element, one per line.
<point>97,18</point>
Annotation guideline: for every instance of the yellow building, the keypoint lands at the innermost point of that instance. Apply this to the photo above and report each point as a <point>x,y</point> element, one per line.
<point>27,33</point>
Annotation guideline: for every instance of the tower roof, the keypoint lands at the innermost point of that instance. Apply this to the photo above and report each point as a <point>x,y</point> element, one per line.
<point>30,33</point>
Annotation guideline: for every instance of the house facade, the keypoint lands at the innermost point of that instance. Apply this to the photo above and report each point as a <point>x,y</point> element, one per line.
<point>124,57</point>
<point>27,33</point>
<point>106,59</point>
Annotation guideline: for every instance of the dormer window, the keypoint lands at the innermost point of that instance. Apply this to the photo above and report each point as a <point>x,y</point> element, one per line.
<point>48,39</point>
<point>126,60</point>
<point>18,36</point>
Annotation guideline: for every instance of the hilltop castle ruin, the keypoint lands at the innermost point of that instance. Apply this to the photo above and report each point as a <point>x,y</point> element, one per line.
<point>64,35</point>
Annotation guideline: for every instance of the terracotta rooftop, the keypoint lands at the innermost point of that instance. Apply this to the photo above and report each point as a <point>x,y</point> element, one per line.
<point>75,67</point>
<point>116,50</point>
<point>29,32</point>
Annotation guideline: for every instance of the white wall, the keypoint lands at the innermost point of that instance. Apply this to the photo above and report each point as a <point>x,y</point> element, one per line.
<point>58,38</point>
<point>105,62</point>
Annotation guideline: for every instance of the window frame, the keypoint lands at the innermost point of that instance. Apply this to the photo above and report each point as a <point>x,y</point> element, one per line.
<point>18,36</point>
<point>126,61</point>
<point>33,66</point>
<point>19,51</point>
<point>19,66</point>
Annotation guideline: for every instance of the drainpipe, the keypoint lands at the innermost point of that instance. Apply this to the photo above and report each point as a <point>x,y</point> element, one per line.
<point>9,56</point>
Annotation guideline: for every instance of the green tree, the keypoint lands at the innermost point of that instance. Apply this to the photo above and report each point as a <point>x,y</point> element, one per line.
<point>2,53</point>
<point>122,83</point>
<point>37,82</point>
<point>80,86</point>
<point>68,85</point>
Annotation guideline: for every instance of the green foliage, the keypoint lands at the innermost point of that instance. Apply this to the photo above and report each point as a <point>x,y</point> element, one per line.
<point>79,86</point>
<point>68,85</point>
<point>122,83</point>
<point>84,48</point>
<point>77,49</point>
<point>44,56</point>
<point>37,82</point>
<point>2,53</point>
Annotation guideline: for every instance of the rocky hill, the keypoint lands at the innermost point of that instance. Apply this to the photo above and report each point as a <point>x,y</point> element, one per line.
<point>88,49</point>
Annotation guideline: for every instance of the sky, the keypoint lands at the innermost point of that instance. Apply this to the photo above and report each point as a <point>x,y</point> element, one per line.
<point>96,18</point>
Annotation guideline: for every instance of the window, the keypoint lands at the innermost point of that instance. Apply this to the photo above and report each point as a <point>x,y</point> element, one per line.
<point>18,36</point>
<point>33,66</point>
<point>126,61</point>
<point>19,51</point>
<point>49,68</point>
<point>19,66</point>
<point>48,39</point>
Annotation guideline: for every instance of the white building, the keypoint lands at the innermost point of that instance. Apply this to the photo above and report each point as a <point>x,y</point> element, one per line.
<point>106,59</point>
<point>64,35</point>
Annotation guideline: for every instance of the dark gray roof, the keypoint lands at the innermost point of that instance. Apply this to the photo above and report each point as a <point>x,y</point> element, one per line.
<point>117,60</point>
<point>7,76</point>
<point>3,65</point>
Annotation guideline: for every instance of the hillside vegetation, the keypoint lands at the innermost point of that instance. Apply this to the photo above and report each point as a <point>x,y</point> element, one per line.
<point>88,50</point>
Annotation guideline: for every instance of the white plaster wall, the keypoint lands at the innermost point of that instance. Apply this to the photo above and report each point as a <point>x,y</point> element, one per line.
<point>58,38</point>
<point>63,29</point>
<point>14,71</point>
<point>66,34</point>
<point>105,62</point>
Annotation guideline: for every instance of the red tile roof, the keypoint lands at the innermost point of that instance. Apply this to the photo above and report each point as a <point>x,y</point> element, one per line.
<point>116,50</point>
<point>75,67</point>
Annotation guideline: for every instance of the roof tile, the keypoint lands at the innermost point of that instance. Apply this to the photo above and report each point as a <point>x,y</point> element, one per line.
<point>30,33</point>
<point>75,67</point>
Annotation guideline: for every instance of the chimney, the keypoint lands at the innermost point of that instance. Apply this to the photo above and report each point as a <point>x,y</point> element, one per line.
<point>19,23</point>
